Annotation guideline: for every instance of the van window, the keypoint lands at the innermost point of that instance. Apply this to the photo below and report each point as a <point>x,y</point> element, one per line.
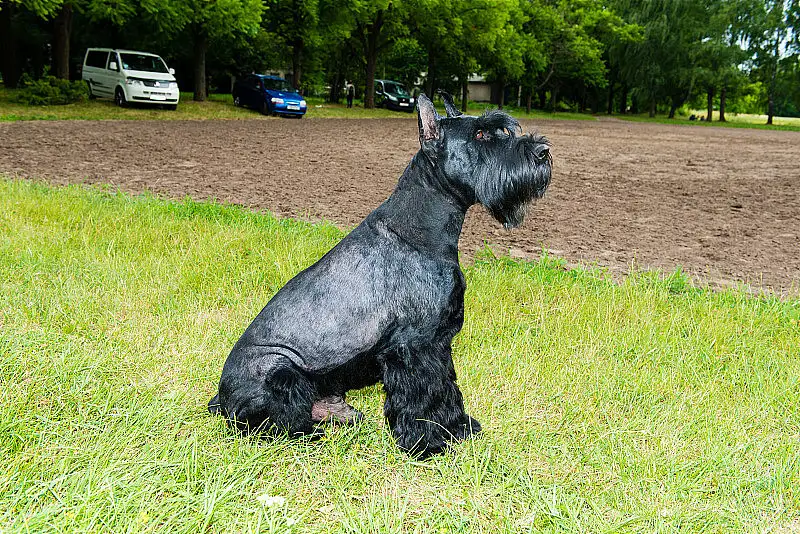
<point>112,58</point>
<point>143,62</point>
<point>96,58</point>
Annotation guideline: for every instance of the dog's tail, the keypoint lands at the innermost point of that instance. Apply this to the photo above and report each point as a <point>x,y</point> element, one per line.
<point>213,405</point>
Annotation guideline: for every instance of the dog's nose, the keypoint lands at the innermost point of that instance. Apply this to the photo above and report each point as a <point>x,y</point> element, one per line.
<point>541,152</point>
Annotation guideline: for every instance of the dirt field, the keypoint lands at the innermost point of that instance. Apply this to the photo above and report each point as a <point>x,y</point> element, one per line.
<point>722,203</point>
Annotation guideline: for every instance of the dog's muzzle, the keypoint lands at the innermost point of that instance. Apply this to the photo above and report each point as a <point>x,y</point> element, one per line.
<point>541,152</point>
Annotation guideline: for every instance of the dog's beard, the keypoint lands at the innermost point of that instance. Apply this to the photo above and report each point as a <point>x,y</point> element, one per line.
<point>509,180</point>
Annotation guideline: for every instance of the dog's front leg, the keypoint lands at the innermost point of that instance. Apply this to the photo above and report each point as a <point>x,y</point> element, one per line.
<point>424,406</point>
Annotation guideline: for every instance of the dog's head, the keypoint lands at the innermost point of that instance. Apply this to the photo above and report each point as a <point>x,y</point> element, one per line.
<point>485,159</point>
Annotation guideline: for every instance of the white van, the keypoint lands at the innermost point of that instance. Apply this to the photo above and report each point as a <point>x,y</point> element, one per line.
<point>128,76</point>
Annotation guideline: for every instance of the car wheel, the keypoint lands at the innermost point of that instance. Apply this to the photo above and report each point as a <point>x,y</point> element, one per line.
<point>91,94</point>
<point>171,107</point>
<point>237,101</point>
<point>264,109</point>
<point>119,98</point>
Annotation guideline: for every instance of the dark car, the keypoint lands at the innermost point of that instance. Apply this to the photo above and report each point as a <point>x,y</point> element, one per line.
<point>270,95</point>
<point>393,95</point>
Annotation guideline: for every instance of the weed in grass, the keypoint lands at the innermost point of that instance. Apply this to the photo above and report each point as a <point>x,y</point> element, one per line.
<point>649,405</point>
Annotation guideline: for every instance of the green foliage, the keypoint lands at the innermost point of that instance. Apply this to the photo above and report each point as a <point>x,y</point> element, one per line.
<point>42,8</point>
<point>51,91</point>
<point>657,54</point>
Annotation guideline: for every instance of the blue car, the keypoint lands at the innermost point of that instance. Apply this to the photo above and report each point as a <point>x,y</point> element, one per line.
<point>270,95</point>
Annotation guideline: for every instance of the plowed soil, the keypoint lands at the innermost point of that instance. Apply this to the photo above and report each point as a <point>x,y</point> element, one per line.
<point>724,204</point>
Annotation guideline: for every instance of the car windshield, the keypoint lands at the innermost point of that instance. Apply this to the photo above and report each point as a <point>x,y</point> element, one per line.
<point>395,88</point>
<point>278,85</point>
<point>143,62</point>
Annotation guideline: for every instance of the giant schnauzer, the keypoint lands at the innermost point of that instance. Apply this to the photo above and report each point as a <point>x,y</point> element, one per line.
<point>385,303</point>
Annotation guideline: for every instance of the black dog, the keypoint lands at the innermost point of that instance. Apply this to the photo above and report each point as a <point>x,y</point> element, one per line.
<point>385,303</point>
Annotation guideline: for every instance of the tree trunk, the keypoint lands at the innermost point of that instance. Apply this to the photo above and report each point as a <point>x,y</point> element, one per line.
<point>723,93</point>
<point>770,109</point>
<point>501,92</point>
<point>200,47</point>
<point>623,100</point>
<point>773,77</point>
<point>610,108</point>
<point>297,60</point>
<point>430,82</point>
<point>334,95</point>
<point>528,99</point>
<point>464,94</point>
<point>672,109</point>
<point>372,38</point>
<point>710,101</point>
<point>61,34</point>
<point>8,42</point>
<point>553,99</point>
<point>652,108</point>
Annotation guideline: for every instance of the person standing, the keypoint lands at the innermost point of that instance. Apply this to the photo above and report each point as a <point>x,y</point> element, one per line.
<point>351,92</point>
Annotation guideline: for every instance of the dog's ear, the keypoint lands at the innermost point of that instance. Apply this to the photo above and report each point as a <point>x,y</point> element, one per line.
<point>428,119</point>
<point>449,105</point>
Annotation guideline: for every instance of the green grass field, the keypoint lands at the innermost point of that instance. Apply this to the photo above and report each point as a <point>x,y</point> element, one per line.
<point>646,406</point>
<point>218,106</point>
<point>743,120</point>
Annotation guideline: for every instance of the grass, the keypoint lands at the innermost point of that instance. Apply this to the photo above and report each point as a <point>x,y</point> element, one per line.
<point>218,106</point>
<point>733,120</point>
<point>646,406</point>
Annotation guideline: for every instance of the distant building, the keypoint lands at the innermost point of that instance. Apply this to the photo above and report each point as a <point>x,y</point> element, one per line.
<point>478,89</point>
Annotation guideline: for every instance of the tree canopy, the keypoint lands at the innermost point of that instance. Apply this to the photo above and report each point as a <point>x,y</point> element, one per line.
<point>621,55</point>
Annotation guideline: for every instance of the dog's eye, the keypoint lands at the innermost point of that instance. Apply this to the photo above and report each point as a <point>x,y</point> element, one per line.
<point>479,134</point>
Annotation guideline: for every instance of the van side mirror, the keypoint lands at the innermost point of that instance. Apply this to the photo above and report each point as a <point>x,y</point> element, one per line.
<point>112,65</point>
<point>172,71</point>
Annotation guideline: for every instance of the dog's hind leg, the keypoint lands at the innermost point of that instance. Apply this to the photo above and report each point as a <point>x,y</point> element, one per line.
<point>424,406</point>
<point>273,401</point>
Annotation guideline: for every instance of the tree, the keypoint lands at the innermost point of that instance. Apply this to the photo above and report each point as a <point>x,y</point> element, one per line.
<point>583,32</point>
<point>483,27</point>
<point>505,60</point>
<point>201,23</point>
<point>663,63</point>
<point>296,22</point>
<point>436,26</point>
<point>772,38</point>
<point>377,23</point>
<point>9,63</point>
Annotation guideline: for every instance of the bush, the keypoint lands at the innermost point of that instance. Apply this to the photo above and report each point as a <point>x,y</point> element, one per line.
<point>49,91</point>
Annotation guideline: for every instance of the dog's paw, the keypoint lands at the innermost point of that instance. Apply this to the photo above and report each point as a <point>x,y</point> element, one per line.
<point>213,405</point>
<point>334,408</point>
<point>421,448</point>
